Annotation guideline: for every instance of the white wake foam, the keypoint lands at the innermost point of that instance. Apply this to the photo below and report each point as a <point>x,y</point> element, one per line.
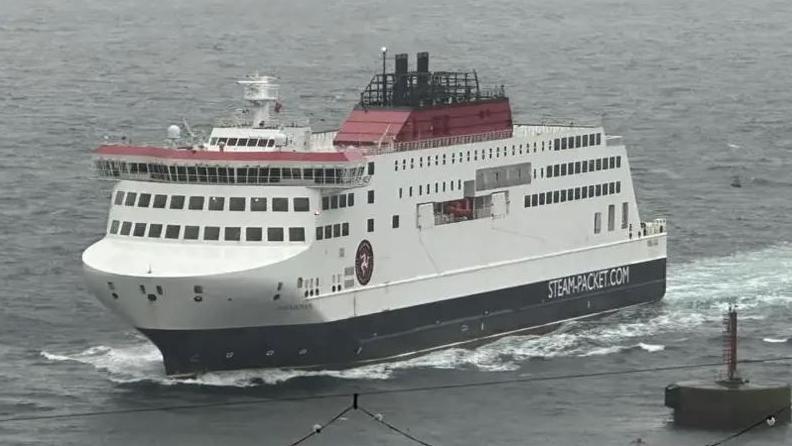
<point>697,295</point>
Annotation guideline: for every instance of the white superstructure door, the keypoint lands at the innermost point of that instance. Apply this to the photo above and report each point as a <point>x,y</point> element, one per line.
<point>426,217</point>
<point>500,204</point>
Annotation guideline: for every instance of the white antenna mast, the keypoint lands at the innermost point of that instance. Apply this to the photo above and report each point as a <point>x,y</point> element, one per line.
<point>262,93</point>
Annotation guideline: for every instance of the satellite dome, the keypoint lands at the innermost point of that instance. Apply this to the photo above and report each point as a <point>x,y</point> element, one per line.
<point>174,132</point>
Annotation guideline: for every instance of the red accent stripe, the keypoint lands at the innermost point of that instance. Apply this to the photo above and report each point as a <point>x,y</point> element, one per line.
<point>205,155</point>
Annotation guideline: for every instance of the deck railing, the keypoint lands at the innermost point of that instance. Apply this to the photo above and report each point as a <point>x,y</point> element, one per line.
<point>431,143</point>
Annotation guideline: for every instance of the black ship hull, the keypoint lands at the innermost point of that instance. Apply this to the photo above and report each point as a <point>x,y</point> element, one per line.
<point>398,333</point>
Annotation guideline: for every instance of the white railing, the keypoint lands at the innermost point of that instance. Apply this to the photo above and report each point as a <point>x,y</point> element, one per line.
<point>439,142</point>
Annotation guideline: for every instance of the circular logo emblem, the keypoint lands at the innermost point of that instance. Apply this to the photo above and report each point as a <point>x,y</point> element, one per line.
<point>364,262</point>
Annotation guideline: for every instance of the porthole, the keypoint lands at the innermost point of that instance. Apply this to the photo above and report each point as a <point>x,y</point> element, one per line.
<point>280,285</point>
<point>115,295</point>
<point>198,298</point>
<point>270,352</point>
<point>276,297</point>
<point>306,294</point>
<point>142,289</point>
<point>229,355</point>
<point>152,297</point>
<point>198,289</point>
<point>159,290</point>
<point>302,351</point>
<point>111,286</point>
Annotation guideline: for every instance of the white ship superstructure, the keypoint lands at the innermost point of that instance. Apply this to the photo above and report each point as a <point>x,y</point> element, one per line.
<point>428,219</point>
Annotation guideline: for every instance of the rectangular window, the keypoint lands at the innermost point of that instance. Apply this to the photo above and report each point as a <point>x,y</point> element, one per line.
<point>114,227</point>
<point>625,215</point>
<point>611,217</point>
<point>612,162</point>
<point>337,230</point>
<point>350,199</point>
<point>584,166</point>
<point>395,219</point>
<point>334,202</point>
<point>370,225</point>
<point>344,229</point>
<point>577,141</point>
<point>301,204</point>
<point>371,195</point>
<point>549,171</point>
<point>319,233</point>
<point>275,234</point>
<point>144,201</point>
<point>571,142</point>
<point>597,222</point>
<point>611,188</point>
<point>534,200</point>
<point>191,232</point>
<point>556,170</point>
<point>563,143</point>
<point>126,228</point>
<point>527,201</point>
<point>591,191</point>
<point>236,204</point>
<point>212,233</point>
<point>541,199</point>
<point>577,166</point>
<point>232,233</point>
<point>155,230</point>
<point>130,199</point>
<point>556,196</point>
<point>557,144</point>
<point>140,230</point>
<point>599,164</point>
<point>599,138</point>
<point>172,231</point>
<point>119,198</point>
<point>598,190</point>
<point>371,168</point>
<point>591,165</point>
<point>325,203</point>
<point>585,141</point>
<point>253,234</point>
<point>258,204</point>
<point>618,187</point>
<point>196,204</point>
<point>280,205</point>
<point>584,192</point>
<point>296,234</point>
<point>177,202</point>
<point>618,161</point>
<point>328,231</point>
<point>549,197</point>
<point>563,196</point>
<point>160,200</point>
<point>563,169</point>
<point>342,199</point>
<point>216,203</point>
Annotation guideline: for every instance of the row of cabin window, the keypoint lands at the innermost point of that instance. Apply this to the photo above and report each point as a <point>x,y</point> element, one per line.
<point>243,142</point>
<point>573,193</point>
<point>458,156</point>
<point>230,233</point>
<point>572,142</point>
<point>570,168</point>
<point>197,202</point>
<point>438,188</point>
<point>229,175</point>
<point>612,218</point>
<point>332,231</point>
<point>338,201</point>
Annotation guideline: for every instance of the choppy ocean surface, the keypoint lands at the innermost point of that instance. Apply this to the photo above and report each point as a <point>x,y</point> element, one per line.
<point>699,90</point>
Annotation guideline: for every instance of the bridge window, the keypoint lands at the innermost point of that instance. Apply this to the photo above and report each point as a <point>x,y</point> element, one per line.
<point>130,199</point>
<point>275,234</point>
<point>258,204</point>
<point>242,142</point>
<point>301,204</point>
<point>172,231</point>
<point>212,233</point>
<point>296,234</point>
<point>155,230</point>
<point>232,233</point>
<point>252,142</point>
<point>159,201</point>
<point>177,202</point>
<point>236,204</point>
<point>196,204</point>
<point>216,203</point>
<point>253,234</point>
<point>119,198</point>
<point>191,232</point>
<point>280,204</point>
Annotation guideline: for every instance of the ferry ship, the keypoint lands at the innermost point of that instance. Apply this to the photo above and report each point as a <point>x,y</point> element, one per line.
<point>427,220</point>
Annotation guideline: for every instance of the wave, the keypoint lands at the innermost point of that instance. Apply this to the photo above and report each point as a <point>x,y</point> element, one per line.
<point>698,294</point>
<point>775,340</point>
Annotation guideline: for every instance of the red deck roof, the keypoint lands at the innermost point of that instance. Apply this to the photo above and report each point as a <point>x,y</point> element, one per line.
<point>205,155</point>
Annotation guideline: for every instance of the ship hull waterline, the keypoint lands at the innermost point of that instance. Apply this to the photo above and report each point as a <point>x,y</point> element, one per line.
<point>400,333</point>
